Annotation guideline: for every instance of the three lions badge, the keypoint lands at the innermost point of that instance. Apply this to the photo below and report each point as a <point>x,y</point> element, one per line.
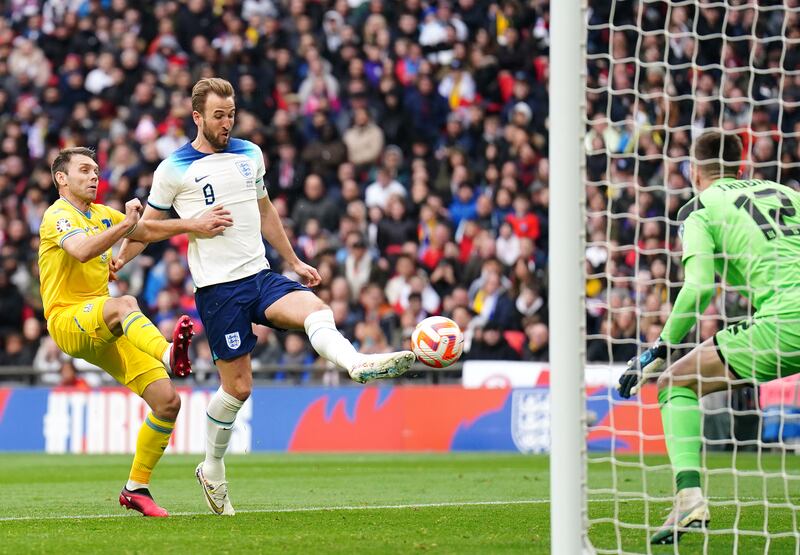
<point>232,339</point>
<point>244,168</point>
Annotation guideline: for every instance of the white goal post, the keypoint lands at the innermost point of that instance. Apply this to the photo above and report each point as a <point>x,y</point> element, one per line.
<point>566,277</point>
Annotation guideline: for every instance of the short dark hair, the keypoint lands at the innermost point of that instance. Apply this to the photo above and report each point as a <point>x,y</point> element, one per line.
<point>62,160</point>
<point>717,153</point>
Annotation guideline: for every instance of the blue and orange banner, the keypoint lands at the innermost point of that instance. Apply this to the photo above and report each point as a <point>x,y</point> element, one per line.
<point>346,419</point>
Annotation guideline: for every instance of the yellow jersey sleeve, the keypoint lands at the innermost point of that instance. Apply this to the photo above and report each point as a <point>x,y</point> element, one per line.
<point>58,224</point>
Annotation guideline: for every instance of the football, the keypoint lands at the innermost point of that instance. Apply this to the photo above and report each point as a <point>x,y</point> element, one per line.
<point>437,341</point>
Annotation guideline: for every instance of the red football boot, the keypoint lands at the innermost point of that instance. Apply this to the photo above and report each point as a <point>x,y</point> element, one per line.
<point>141,500</point>
<point>179,351</point>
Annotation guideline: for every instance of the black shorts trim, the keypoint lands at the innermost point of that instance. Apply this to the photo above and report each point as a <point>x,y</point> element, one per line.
<point>724,360</point>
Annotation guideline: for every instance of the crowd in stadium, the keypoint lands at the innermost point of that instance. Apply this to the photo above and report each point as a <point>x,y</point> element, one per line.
<point>407,152</point>
<point>650,93</point>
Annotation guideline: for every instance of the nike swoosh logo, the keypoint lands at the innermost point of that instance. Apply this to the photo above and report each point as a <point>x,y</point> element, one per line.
<point>199,179</point>
<point>214,507</point>
<point>217,509</point>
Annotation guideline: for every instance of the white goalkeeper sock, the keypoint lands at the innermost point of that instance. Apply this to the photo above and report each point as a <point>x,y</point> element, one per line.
<point>221,414</point>
<point>328,341</point>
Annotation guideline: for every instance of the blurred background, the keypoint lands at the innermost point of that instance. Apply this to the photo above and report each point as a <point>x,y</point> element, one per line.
<point>406,146</point>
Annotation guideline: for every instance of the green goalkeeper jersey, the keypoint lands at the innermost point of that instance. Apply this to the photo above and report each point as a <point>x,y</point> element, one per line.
<point>748,232</point>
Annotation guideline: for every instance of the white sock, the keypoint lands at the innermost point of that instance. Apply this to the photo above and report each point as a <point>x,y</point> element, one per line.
<point>166,356</point>
<point>328,341</point>
<point>133,486</point>
<point>221,414</point>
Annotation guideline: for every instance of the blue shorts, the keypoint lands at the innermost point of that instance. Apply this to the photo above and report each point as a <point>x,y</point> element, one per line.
<point>228,310</point>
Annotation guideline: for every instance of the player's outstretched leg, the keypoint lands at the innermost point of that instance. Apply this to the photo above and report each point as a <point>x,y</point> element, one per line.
<point>331,345</point>
<point>380,366</point>
<point>123,317</point>
<point>151,442</point>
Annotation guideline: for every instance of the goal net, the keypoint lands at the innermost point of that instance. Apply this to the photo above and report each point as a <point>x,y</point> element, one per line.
<point>659,73</point>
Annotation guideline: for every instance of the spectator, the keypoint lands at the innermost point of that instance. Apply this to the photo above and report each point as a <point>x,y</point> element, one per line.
<point>426,109</point>
<point>419,285</point>
<point>27,63</point>
<point>48,359</point>
<point>508,245</point>
<point>443,277</point>
<point>464,205</point>
<point>16,351</point>
<point>405,267</point>
<point>69,376</point>
<point>326,152</point>
<point>536,347</point>
<point>396,228</point>
<point>492,303</point>
<point>296,354</point>
<point>524,222</point>
<point>357,263</point>
<point>285,175</point>
<point>458,86</point>
<point>315,205</point>
<point>489,344</point>
<point>11,305</point>
<point>268,347</point>
<point>434,251</point>
<point>313,240</point>
<point>384,186</point>
<point>364,139</point>
<point>370,339</point>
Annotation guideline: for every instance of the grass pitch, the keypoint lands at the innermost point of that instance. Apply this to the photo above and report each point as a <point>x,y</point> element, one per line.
<point>455,503</point>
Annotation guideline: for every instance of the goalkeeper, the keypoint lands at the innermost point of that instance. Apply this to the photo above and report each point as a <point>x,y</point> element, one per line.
<point>748,232</point>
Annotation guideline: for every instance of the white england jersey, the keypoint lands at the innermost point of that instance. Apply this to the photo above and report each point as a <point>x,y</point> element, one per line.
<point>193,182</point>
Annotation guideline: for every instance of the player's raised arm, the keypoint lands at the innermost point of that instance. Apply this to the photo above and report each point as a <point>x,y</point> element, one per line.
<point>210,224</point>
<point>85,247</point>
<point>155,226</point>
<point>132,247</point>
<point>272,230</point>
<point>693,299</point>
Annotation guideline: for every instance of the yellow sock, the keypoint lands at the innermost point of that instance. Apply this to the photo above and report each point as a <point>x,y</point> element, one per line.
<point>153,438</point>
<point>144,335</point>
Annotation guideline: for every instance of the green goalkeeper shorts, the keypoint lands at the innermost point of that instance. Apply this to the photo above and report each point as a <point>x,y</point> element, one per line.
<point>761,349</point>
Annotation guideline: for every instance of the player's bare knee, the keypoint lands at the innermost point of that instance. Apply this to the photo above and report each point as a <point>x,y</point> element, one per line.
<point>242,392</point>
<point>242,389</point>
<point>664,380</point>
<point>680,374</point>
<point>125,305</point>
<point>129,303</point>
<point>169,406</point>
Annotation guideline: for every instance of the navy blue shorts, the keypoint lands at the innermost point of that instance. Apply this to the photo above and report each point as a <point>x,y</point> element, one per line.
<point>228,310</point>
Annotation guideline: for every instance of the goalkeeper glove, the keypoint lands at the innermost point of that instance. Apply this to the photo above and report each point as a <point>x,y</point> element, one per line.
<point>646,365</point>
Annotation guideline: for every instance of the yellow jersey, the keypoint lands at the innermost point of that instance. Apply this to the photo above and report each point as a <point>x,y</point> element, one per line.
<point>64,279</point>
